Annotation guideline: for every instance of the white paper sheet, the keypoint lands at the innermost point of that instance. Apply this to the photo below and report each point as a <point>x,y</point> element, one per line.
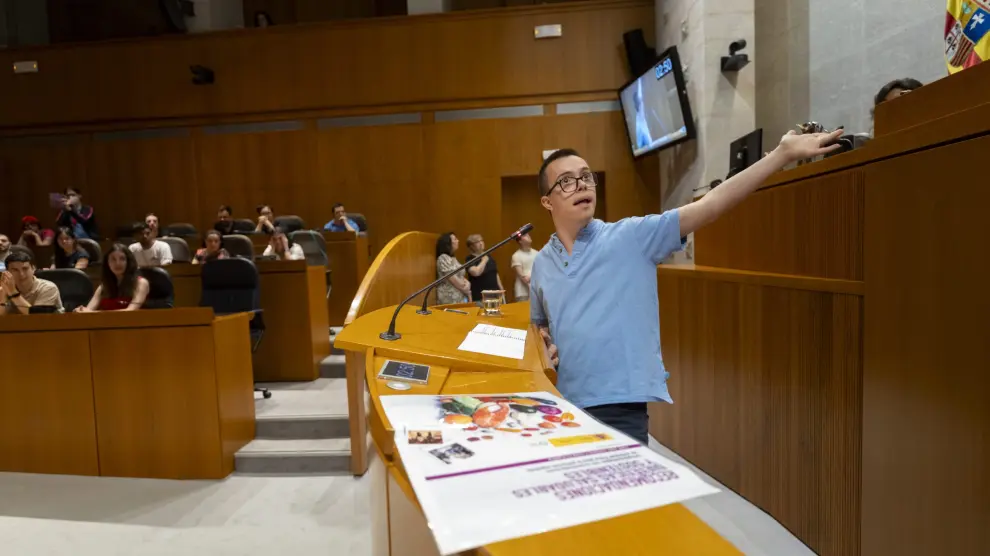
<point>495,340</point>
<point>492,467</point>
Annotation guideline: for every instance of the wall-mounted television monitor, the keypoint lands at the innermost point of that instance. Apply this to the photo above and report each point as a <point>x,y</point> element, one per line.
<point>656,107</point>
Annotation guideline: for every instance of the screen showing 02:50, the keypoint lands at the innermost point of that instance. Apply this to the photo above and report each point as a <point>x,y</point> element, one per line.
<point>652,109</point>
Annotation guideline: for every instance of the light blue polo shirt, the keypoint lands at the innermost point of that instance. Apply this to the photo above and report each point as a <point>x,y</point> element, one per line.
<point>601,306</point>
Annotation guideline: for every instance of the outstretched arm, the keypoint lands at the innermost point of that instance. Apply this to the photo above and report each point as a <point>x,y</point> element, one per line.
<point>718,201</point>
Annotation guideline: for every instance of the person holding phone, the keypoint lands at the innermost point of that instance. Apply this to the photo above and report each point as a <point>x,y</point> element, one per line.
<point>77,216</point>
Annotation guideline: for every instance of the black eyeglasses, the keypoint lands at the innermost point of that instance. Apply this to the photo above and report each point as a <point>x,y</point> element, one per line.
<point>568,184</point>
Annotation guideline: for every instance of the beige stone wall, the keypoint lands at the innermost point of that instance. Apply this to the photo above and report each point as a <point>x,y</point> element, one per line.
<point>723,105</point>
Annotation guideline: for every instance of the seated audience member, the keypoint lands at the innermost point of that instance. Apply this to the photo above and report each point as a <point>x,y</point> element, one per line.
<point>896,88</point>
<point>149,251</point>
<point>121,287</point>
<point>484,274</point>
<point>33,235</point>
<point>455,289</point>
<point>340,222</point>
<point>151,220</point>
<point>76,215</point>
<point>522,263</point>
<point>20,290</point>
<point>4,247</point>
<point>69,254</point>
<point>224,223</point>
<point>212,249</point>
<point>283,248</point>
<point>266,220</point>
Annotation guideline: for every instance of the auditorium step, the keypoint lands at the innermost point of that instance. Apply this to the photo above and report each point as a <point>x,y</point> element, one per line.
<point>303,410</point>
<point>328,456</point>
<point>333,366</point>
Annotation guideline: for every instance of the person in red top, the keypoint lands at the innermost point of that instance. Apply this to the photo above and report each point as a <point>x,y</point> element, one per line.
<point>121,287</point>
<point>212,249</point>
<point>33,235</point>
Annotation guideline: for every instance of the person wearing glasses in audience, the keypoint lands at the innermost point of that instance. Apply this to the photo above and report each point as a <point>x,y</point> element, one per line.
<point>340,222</point>
<point>149,251</point>
<point>81,218</point>
<point>482,275</point>
<point>455,289</point>
<point>225,222</point>
<point>593,292</point>
<point>121,287</point>
<point>33,235</point>
<point>69,254</point>
<point>212,249</point>
<point>282,248</point>
<point>266,220</point>
<point>20,289</point>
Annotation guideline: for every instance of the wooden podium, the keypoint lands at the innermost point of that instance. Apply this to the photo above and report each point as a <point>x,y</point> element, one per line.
<point>398,525</point>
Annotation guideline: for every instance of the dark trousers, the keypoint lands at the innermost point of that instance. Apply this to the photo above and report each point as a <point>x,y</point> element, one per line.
<point>629,418</point>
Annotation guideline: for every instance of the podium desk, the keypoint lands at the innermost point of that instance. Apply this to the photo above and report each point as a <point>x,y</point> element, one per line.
<point>398,525</point>
<point>162,394</point>
<point>293,297</point>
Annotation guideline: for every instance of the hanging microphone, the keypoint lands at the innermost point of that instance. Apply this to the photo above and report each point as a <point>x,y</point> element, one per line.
<point>392,335</point>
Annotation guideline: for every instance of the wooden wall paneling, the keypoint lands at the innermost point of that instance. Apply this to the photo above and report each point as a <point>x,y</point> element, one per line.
<point>767,389</point>
<point>440,58</point>
<point>47,421</point>
<point>812,228</point>
<point>277,168</point>
<point>156,416</point>
<point>132,176</point>
<point>32,168</point>
<point>380,172</point>
<point>926,420</point>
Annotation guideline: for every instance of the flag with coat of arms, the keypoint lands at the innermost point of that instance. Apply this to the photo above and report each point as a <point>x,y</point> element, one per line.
<point>967,23</point>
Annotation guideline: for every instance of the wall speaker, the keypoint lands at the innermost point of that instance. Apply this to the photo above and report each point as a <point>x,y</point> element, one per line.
<point>640,56</point>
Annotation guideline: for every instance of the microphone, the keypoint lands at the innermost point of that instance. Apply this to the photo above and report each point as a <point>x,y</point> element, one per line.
<point>391,335</point>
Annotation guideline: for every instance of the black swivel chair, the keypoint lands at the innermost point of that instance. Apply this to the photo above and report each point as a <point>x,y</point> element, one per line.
<point>180,229</point>
<point>289,223</point>
<point>243,226</point>
<point>160,293</point>
<point>232,286</point>
<point>315,249</point>
<point>92,249</point>
<point>360,220</point>
<point>180,249</point>
<point>74,286</point>
<point>239,245</point>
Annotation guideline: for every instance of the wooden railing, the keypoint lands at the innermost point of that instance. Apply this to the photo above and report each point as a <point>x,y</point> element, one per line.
<point>406,264</point>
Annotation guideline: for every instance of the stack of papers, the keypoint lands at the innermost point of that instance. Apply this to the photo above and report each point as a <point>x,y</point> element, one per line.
<point>495,340</point>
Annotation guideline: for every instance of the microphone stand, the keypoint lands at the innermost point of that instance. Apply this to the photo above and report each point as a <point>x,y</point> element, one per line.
<point>391,335</point>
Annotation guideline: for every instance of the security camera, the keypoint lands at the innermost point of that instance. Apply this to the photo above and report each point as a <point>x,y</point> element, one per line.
<point>735,61</point>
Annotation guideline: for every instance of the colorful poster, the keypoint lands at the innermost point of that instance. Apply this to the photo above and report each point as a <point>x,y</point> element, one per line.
<point>493,467</point>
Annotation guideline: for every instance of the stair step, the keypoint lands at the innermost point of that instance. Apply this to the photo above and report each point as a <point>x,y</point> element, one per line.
<point>294,457</point>
<point>333,366</point>
<point>303,410</point>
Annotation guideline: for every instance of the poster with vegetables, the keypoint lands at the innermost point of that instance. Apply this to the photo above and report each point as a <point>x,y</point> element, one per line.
<point>535,459</point>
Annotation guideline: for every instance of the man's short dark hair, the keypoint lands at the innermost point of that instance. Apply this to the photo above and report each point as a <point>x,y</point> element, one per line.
<point>20,256</point>
<point>334,208</point>
<point>75,190</point>
<point>227,208</point>
<point>260,208</point>
<point>556,155</point>
<point>904,84</point>
<point>140,227</point>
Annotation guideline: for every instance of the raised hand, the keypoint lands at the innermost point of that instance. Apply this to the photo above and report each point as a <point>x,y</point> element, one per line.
<point>797,146</point>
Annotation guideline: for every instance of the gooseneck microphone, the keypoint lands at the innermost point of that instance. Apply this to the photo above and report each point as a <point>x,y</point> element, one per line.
<point>392,335</point>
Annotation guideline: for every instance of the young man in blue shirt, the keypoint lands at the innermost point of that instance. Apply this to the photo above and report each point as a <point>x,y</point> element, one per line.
<point>593,291</point>
<point>340,222</point>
